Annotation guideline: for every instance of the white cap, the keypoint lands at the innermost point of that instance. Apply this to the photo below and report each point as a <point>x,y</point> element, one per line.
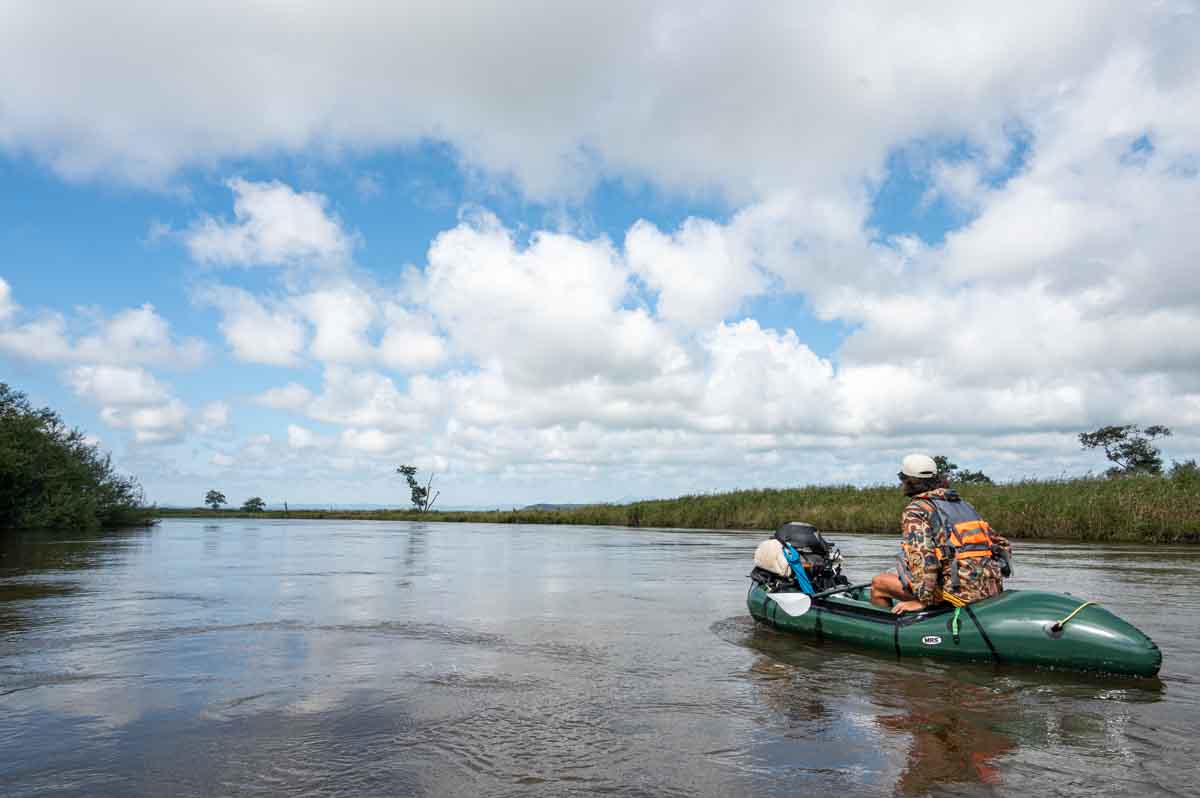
<point>918,465</point>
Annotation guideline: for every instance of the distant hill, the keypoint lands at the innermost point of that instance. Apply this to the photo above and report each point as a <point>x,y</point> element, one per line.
<point>545,506</point>
<point>460,508</point>
<point>571,506</point>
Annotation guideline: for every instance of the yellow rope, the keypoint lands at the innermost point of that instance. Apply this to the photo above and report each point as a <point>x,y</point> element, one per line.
<point>954,600</point>
<point>1063,622</point>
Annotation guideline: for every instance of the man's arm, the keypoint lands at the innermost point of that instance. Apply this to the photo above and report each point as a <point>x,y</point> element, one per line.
<point>920,551</point>
<point>1001,542</point>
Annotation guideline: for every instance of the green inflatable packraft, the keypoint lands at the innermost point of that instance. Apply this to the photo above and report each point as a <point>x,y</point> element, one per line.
<point>1020,627</point>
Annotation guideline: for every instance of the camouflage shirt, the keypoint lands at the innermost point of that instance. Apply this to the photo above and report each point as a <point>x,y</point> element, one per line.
<point>978,577</point>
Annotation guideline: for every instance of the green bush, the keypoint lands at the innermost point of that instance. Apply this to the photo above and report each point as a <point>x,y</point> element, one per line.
<point>50,476</point>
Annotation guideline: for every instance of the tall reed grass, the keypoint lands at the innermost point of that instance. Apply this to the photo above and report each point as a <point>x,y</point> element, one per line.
<point>1145,509</point>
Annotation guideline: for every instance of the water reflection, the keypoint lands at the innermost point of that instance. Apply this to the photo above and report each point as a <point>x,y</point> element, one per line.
<point>39,570</point>
<point>930,731</point>
<point>360,658</point>
<point>414,552</point>
<point>952,731</point>
<point>24,553</point>
<point>778,689</point>
<point>212,541</point>
<point>17,597</point>
<point>930,728</point>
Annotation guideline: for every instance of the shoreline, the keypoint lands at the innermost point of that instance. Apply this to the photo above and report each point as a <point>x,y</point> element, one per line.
<point>1132,510</point>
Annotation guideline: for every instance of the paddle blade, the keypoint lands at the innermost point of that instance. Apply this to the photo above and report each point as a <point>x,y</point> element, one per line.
<point>794,604</point>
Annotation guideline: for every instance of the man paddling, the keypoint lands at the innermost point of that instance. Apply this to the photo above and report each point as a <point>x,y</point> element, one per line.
<point>948,552</point>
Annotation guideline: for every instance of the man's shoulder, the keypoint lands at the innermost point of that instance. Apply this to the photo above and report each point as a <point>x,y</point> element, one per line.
<point>925,500</point>
<point>919,504</point>
<point>917,519</point>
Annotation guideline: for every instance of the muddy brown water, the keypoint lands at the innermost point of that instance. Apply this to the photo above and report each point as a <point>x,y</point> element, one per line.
<point>360,658</point>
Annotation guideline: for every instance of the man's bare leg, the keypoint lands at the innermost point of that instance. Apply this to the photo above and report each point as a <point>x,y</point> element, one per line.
<point>887,586</point>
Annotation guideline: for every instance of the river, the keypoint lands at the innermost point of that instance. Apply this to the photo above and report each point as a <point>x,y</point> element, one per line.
<point>368,658</point>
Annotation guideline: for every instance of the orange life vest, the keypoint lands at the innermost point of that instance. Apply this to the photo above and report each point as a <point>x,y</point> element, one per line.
<point>963,532</point>
<point>963,535</point>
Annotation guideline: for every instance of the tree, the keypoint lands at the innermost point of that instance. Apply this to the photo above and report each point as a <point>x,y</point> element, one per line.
<point>53,476</point>
<point>1128,447</point>
<point>254,504</point>
<point>421,499</point>
<point>960,475</point>
<point>1188,471</point>
<point>944,466</point>
<point>214,499</point>
<point>967,477</point>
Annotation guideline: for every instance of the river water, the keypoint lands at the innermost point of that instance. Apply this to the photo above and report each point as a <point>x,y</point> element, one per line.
<point>363,658</point>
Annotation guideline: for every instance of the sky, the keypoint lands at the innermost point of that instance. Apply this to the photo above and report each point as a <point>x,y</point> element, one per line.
<point>602,251</point>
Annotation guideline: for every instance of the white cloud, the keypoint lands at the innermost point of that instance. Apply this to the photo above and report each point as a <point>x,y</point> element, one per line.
<point>258,448</point>
<point>655,98</point>
<point>364,399</point>
<point>162,423</point>
<point>213,418</point>
<point>373,441</point>
<point>111,374</point>
<point>765,381</point>
<point>1025,332</point>
<point>43,339</point>
<point>341,316</point>
<point>289,397</point>
<point>132,336</point>
<point>343,319</point>
<point>548,387</point>
<point>7,306</point>
<point>271,333</point>
<point>301,438</point>
<point>115,385</point>
<point>274,225</point>
<point>133,399</point>
<point>138,335</point>
<point>960,183</point>
<point>551,312</point>
<point>410,342</point>
<point>701,273</point>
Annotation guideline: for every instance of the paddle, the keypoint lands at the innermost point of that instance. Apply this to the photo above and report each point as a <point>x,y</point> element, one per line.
<point>796,604</point>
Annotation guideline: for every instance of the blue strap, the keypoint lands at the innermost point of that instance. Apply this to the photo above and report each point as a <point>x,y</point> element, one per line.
<point>793,558</point>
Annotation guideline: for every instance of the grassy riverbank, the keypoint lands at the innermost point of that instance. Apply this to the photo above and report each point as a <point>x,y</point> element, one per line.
<point>1146,509</point>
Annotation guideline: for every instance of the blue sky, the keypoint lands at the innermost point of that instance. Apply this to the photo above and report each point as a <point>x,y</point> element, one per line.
<point>695,254</point>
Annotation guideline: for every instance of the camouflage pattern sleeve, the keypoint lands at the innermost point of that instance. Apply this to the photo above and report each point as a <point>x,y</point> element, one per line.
<point>920,552</point>
<point>1001,541</point>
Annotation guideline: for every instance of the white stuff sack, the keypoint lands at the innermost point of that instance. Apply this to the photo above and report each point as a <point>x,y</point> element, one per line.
<point>769,556</point>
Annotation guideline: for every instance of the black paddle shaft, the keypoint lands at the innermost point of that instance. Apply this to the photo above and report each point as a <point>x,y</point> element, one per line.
<point>836,590</point>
